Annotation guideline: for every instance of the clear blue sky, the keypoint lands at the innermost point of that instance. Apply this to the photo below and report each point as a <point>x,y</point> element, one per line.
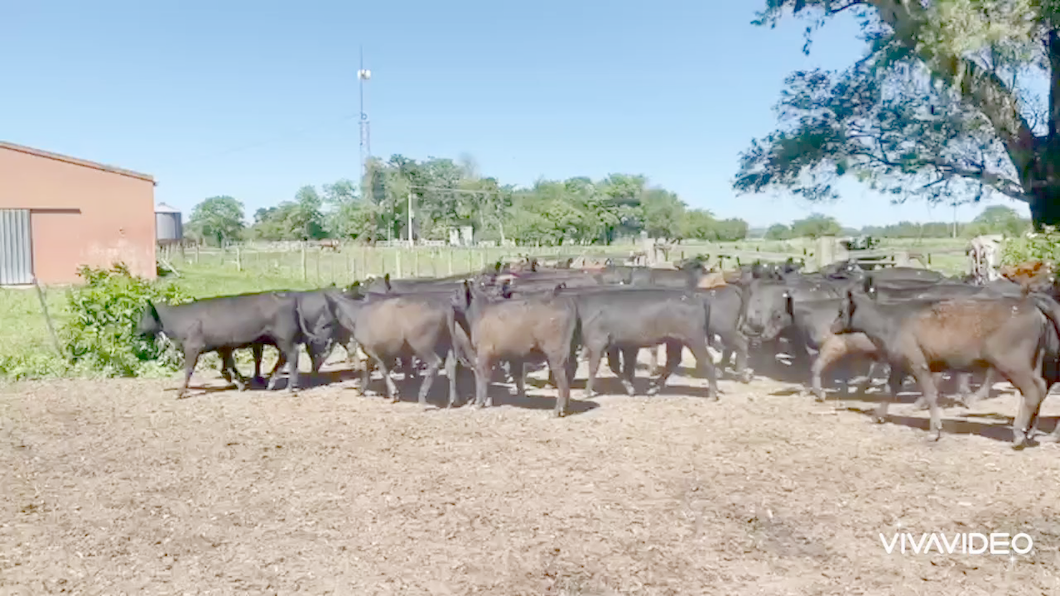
<point>255,99</point>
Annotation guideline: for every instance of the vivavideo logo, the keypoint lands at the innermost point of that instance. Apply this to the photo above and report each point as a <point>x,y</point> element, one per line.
<point>972,543</point>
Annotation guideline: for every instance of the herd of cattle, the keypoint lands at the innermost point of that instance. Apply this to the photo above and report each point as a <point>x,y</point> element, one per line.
<point>916,321</point>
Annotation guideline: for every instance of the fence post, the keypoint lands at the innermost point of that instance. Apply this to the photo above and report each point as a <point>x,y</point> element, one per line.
<point>449,257</point>
<point>415,262</point>
<point>397,266</point>
<point>48,318</point>
<point>305,269</point>
<point>318,265</point>
<point>239,259</point>
<point>196,254</point>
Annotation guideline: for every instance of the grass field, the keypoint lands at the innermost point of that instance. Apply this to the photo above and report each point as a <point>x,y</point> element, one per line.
<point>24,335</point>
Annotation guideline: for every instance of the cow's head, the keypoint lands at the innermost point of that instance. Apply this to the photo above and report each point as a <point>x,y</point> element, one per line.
<point>766,312</point>
<point>150,323</point>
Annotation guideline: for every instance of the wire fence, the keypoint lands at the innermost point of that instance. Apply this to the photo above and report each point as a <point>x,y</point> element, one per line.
<point>343,263</point>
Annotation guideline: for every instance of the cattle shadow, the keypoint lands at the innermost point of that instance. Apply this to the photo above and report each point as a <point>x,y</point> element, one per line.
<point>502,394</point>
<point>998,428</point>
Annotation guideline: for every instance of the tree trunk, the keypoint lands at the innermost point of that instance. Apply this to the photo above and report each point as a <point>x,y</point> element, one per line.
<point>1044,184</point>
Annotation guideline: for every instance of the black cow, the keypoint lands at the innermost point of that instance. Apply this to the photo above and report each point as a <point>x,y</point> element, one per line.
<point>961,334</point>
<point>637,318</point>
<point>516,329</point>
<point>225,324</point>
<point>402,326</point>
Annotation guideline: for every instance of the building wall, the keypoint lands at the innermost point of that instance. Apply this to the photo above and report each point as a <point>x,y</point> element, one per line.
<point>80,215</point>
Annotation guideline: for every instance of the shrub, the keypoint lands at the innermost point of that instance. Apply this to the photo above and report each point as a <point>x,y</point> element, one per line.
<point>1044,246</point>
<point>100,333</point>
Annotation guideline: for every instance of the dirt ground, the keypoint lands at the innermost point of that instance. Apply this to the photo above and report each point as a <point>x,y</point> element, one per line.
<point>116,487</point>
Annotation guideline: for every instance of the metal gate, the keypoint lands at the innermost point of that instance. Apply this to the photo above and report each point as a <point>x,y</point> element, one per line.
<point>16,247</point>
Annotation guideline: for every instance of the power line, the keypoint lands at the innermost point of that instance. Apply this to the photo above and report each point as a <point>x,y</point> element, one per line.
<point>284,137</point>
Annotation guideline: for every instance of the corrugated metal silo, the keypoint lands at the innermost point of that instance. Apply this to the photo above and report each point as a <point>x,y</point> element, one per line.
<point>168,226</point>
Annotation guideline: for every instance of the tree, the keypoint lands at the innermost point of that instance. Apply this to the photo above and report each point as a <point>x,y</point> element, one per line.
<point>778,231</point>
<point>699,224</point>
<point>998,219</point>
<point>217,219</point>
<point>815,226</point>
<point>939,107</point>
<point>662,214</point>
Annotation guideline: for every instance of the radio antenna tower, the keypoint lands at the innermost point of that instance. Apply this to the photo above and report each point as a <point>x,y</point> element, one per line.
<point>363,75</point>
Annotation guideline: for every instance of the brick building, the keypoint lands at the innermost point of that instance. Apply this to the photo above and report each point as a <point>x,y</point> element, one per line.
<point>58,213</point>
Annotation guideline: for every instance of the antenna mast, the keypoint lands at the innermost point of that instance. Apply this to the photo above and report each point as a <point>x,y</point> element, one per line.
<point>363,75</point>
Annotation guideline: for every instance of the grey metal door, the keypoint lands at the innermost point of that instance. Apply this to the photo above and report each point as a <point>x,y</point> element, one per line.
<point>16,247</point>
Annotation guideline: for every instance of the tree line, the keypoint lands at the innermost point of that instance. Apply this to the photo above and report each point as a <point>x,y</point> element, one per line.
<point>447,195</point>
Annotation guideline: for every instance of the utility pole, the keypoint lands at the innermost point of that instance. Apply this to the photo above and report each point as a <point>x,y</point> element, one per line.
<point>411,244</point>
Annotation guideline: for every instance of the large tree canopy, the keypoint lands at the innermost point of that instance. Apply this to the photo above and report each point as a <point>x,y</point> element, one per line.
<point>941,106</point>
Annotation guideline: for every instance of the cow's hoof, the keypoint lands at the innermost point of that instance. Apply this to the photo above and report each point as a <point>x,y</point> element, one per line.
<point>652,391</point>
<point>746,377</point>
<point>879,418</point>
<point>1019,444</point>
<point>558,414</point>
<point>713,397</point>
<point>819,398</point>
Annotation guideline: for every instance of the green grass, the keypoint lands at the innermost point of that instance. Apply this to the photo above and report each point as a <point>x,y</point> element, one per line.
<point>26,349</point>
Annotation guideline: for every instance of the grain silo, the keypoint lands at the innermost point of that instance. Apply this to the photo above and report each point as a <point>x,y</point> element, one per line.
<point>168,226</point>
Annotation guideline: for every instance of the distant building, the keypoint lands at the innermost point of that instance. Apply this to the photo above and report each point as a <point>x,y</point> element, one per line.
<point>58,213</point>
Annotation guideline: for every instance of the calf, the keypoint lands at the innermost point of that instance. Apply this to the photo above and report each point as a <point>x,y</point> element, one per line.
<point>628,320</point>
<point>227,323</point>
<point>515,329</point>
<point>401,326</point>
<point>957,334</point>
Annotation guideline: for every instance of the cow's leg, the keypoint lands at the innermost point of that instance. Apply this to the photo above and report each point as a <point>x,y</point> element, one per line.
<point>366,373</point>
<point>483,368</point>
<point>615,361</point>
<point>1033,388</point>
<point>434,362</point>
<point>704,364</point>
<point>656,355</point>
<point>736,343</point>
<point>827,356</point>
<point>557,363</point>
<point>229,370</point>
<point>450,373</point>
<point>921,402</point>
<point>929,393</point>
<point>595,354</point>
<point>629,370</point>
<point>391,388</point>
<point>281,359</point>
<point>896,377</point>
<point>258,352</point>
<point>983,392</point>
<point>191,358</point>
<point>291,349</point>
<point>673,359</point>
<point>517,369</point>
<point>409,368</point>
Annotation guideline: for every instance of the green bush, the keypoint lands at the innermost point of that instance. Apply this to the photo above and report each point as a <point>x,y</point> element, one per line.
<point>1044,246</point>
<point>100,333</point>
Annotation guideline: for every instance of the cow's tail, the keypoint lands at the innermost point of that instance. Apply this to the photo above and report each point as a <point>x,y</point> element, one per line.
<point>1049,308</point>
<point>463,351</point>
<point>306,332</point>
